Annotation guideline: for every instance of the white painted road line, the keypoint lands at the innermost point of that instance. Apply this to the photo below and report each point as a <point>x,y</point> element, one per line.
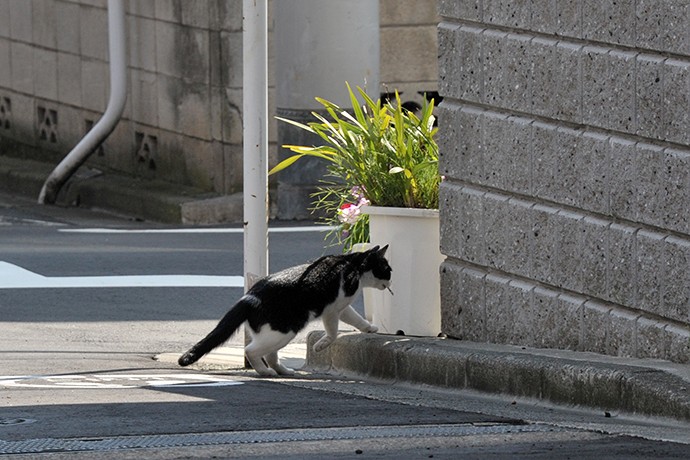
<point>116,381</point>
<point>15,277</point>
<point>316,228</point>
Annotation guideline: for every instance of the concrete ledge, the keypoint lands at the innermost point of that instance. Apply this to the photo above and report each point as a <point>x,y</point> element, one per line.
<point>137,198</point>
<point>611,384</point>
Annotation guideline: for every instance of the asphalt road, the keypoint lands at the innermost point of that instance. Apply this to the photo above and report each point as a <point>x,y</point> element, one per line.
<point>83,310</point>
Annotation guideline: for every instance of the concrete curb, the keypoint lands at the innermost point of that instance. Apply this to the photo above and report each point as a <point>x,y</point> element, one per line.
<point>148,200</point>
<point>560,377</point>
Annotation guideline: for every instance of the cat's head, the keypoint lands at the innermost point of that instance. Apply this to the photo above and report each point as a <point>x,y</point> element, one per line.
<point>375,268</point>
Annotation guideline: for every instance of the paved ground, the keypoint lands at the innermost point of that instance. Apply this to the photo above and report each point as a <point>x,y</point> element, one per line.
<point>79,378</point>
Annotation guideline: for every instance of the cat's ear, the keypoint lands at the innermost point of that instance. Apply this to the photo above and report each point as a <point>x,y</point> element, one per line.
<point>382,251</point>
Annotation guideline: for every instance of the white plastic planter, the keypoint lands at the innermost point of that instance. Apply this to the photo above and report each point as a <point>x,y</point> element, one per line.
<point>414,254</point>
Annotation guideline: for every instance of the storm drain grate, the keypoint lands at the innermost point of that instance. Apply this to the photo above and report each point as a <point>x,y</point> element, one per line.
<point>252,437</point>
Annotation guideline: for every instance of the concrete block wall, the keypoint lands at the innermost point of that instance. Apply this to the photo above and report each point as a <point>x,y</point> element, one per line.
<point>565,142</point>
<point>409,47</point>
<point>182,122</point>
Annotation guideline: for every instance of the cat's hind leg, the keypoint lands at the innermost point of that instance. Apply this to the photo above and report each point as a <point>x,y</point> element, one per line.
<point>274,363</point>
<point>266,343</point>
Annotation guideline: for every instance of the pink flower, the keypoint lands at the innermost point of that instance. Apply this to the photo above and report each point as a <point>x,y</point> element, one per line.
<point>349,213</point>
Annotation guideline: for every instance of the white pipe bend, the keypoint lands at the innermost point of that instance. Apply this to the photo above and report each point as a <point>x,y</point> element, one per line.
<point>117,46</point>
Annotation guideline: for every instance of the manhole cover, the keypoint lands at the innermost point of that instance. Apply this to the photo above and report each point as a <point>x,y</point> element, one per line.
<point>15,421</point>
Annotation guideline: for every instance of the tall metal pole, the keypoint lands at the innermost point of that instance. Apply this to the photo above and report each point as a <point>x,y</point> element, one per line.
<point>255,115</point>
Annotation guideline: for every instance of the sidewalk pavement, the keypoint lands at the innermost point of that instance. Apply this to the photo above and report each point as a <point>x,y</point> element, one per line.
<point>610,384</point>
<point>149,200</point>
<point>643,387</point>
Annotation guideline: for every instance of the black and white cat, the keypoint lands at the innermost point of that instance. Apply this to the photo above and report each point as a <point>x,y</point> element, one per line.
<point>278,306</point>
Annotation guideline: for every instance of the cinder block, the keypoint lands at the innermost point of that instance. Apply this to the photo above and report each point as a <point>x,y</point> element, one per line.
<point>650,95</point>
<point>623,184</point>
<point>556,72</point>
<point>676,285</point>
<point>144,100</point>
<point>68,35</point>
<point>662,25</point>
<point>195,13</point>
<point>184,107</point>
<point>227,15</point>
<point>507,70</point>
<point>677,101</point>
<point>544,232</point>
<point>94,84</point>
<point>677,344</point>
<point>555,163</point>
<point>516,13</point>
<point>557,319</point>
<point>462,234</point>
<point>44,24</point>
<point>507,152</point>
<point>463,302</point>
<point>460,142</point>
<point>567,271</point>
<point>593,256</point>
<point>145,9</point>
<point>596,90</point>
<point>69,79</point>
<point>460,62</point>
<point>621,262</point>
<point>22,56</point>
<point>5,60</point>
<point>622,91</point>
<point>45,74</point>
<point>231,59</point>
<point>609,21</point>
<point>411,60</point>
<point>557,17</point>
<point>232,168</point>
<point>499,312</point>
<point>506,233</point>
<point>168,10</point>
<point>674,212</point>
<point>93,27</point>
<point>21,24</point>
<point>5,18</point>
<point>183,52</point>
<point>621,337</point>
<point>650,271</point>
<point>650,338</point>
<point>595,326</point>
<point>408,12</point>
<point>142,43</point>
<point>649,184</point>
<point>470,10</point>
<point>203,163</point>
<point>494,149</point>
<point>520,299</point>
<point>593,167</point>
<point>231,106</point>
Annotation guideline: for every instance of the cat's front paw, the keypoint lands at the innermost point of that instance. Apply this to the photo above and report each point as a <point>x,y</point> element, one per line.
<point>370,329</point>
<point>323,343</point>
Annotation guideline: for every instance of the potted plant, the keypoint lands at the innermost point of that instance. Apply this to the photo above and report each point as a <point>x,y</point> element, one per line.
<point>382,187</point>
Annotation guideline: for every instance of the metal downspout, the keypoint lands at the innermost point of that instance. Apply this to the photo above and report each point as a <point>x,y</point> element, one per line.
<point>117,47</point>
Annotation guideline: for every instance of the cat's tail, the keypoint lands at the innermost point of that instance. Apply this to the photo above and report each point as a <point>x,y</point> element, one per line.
<point>227,326</point>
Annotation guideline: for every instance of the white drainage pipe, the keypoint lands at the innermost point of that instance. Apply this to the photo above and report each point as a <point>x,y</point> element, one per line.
<point>117,46</point>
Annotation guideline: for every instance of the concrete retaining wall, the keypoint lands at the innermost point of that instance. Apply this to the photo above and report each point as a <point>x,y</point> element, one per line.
<point>183,121</point>
<point>565,142</point>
